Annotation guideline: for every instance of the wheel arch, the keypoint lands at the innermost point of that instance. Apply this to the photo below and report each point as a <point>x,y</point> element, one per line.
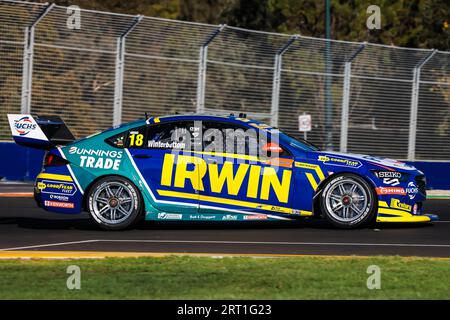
<point>316,202</point>
<point>92,183</point>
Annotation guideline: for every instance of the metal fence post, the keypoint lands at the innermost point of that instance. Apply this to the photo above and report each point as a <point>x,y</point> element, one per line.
<point>28,56</point>
<point>276,82</point>
<point>346,98</point>
<point>120,67</point>
<point>202,66</point>
<point>415,106</point>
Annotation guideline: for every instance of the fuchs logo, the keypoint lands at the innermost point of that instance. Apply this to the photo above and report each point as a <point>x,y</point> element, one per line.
<point>412,190</point>
<point>24,125</point>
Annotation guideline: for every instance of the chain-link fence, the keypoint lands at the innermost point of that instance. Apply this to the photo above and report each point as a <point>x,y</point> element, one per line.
<point>363,98</point>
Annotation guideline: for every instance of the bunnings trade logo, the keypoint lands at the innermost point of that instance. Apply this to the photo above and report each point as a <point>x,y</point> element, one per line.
<point>24,125</point>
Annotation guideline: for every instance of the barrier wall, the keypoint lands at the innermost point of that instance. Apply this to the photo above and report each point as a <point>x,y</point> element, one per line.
<point>23,164</point>
<point>19,163</point>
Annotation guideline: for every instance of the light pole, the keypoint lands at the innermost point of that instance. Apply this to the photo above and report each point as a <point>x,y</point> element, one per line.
<point>328,68</point>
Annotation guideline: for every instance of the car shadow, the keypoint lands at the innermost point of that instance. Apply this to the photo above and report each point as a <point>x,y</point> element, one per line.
<point>88,225</point>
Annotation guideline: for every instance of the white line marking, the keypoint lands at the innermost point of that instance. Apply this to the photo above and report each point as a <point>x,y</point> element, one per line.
<point>237,242</point>
<point>283,243</point>
<point>48,245</point>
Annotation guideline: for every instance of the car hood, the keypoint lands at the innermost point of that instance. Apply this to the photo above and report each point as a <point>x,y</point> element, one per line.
<point>367,159</point>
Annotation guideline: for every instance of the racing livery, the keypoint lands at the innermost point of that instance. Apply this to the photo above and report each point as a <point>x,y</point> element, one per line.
<point>213,168</point>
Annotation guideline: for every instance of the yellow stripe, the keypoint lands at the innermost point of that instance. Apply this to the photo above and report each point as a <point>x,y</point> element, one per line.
<point>57,177</point>
<point>107,254</point>
<point>156,120</point>
<point>314,167</point>
<point>394,211</point>
<point>239,203</point>
<point>383,204</point>
<point>411,218</point>
<point>311,180</point>
<point>231,155</point>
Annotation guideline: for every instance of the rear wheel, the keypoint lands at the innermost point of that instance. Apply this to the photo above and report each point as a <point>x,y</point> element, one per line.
<point>348,201</point>
<point>114,203</point>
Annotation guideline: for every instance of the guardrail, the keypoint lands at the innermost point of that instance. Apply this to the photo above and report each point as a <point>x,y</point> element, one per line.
<point>363,97</point>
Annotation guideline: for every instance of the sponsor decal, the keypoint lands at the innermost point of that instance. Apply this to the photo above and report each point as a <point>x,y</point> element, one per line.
<point>166,145</point>
<point>24,126</point>
<point>59,198</point>
<point>202,217</point>
<point>296,211</point>
<point>262,182</point>
<point>170,216</point>
<point>98,159</point>
<point>57,187</point>
<point>230,217</point>
<point>338,161</point>
<point>391,191</point>
<point>255,217</point>
<point>391,182</point>
<point>412,190</point>
<point>56,204</point>
<point>305,165</point>
<point>396,204</point>
<point>392,178</point>
<point>388,174</point>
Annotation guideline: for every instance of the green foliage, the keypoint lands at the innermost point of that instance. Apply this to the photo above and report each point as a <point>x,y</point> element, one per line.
<point>413,23</point>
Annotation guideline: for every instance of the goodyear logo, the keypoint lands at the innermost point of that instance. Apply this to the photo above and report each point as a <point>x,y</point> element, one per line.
<point>55,187</point>
<point>395,203</point>
<point>192,171</point>
<point>339,161</point>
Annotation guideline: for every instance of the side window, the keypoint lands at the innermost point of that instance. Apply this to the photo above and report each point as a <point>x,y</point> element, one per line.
<point>229,138</point>
<point>174,135</point>
<point>118,140</point>
<point>232,138</point>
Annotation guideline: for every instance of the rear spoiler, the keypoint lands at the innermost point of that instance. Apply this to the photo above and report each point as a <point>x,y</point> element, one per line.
<point>44,132</point>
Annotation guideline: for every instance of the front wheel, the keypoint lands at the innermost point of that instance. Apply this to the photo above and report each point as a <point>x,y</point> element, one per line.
<point>348,201</point>
<point>115,203</point>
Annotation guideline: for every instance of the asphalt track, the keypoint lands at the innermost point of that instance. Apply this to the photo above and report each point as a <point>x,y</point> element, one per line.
<point>26,228</point>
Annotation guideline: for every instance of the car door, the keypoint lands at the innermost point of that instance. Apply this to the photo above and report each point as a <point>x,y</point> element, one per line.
<point>243,175</point>
<point>162,154</point>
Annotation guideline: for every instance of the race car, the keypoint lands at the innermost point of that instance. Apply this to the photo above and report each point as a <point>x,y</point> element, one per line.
<point>200,167</point>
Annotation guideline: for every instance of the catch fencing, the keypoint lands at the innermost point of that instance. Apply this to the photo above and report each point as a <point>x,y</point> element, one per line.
<point>362,97</point>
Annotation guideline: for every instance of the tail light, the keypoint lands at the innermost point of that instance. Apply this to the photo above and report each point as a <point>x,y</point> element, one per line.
<point>52,160</point>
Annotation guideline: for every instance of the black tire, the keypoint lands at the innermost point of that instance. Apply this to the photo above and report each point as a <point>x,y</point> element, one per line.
<point>342,203</point>
<point>113,208</point>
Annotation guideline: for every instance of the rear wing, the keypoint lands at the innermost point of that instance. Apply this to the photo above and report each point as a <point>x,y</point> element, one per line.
<point>44,132</point>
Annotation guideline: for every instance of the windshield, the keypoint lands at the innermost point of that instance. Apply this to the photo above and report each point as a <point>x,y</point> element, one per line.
<point>297,142</point>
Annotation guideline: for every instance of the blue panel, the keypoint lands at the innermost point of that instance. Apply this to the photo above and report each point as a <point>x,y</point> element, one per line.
<point>19,163</point>
<point>437,173</point>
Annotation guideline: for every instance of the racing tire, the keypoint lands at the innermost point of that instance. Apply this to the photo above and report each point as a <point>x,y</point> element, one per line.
<point>348,201</point>
<point>114,203</point>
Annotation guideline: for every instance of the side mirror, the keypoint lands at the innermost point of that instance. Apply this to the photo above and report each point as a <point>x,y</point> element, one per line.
<point>272,148</point>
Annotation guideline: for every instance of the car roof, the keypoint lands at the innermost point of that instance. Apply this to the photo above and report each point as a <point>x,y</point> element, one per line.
<point>203,117</point>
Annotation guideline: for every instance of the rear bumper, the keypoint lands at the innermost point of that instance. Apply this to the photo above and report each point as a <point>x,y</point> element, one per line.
<point>57,193</point>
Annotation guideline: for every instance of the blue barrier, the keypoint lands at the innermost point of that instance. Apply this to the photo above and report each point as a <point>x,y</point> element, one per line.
<point>437,173</point>
<point>20,163</point>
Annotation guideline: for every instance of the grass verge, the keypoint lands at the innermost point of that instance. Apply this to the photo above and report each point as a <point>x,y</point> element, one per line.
<point>187,277</point>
